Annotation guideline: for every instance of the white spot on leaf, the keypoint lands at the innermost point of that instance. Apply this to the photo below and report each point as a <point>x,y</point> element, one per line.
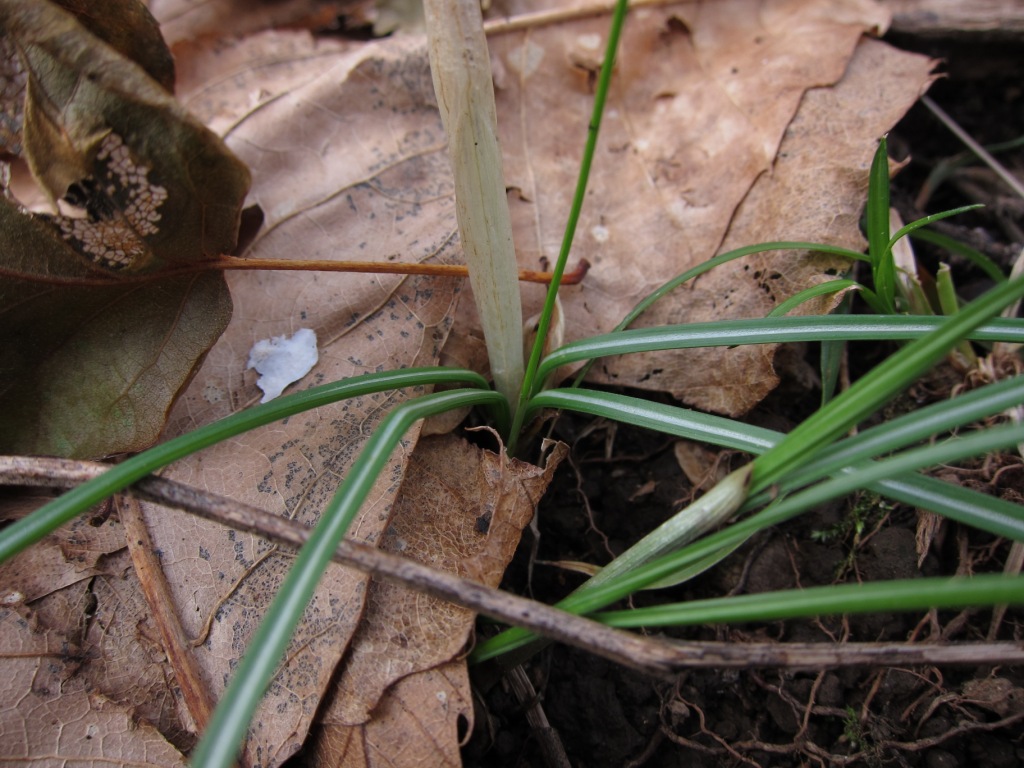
<point>282,360</point>
<point>526,58</point>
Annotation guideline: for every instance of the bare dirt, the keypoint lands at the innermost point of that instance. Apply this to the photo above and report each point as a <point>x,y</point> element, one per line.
<point>621,482</point>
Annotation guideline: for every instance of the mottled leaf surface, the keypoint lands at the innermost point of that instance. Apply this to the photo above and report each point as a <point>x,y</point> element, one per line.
<point>82,684</point>
<point>347,159</point>
<point>702,99</point>
<point>467,522</point>
<point>417,724</point>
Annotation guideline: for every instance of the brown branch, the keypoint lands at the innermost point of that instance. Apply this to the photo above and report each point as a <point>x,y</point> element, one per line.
<point>659,658</point>
<point>154,585</point>
<point>548,18</point>
<point>616,645</point>
<point>547,737</point>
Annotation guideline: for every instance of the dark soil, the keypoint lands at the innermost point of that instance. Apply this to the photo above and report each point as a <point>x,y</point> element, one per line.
<point>604,715</point>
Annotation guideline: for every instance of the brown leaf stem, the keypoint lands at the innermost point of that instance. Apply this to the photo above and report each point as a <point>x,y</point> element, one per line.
<point>550,17</point>
<point>224,263</point>
<point>572,277</point>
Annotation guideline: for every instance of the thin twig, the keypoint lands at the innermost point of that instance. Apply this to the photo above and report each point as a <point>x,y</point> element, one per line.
<point>653,657</point>
<point>152,579</point>
<point>547,737</point>
<point>225,263</point>
<point>983,154</point>
<point>548,18</point>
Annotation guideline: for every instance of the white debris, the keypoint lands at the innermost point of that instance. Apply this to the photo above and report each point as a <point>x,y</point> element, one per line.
<point>283,360</point>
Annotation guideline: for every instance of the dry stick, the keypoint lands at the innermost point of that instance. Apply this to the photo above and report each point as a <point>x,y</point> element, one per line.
<point>548,18</point>
<point>659,658</point>
<point>154,585</point>
<point>983,154</point>
<point>617,645</point>
<point>547,737</point>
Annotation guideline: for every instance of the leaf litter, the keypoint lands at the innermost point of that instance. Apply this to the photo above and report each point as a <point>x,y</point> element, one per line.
<point>468,523</point>
<point>348,161</point>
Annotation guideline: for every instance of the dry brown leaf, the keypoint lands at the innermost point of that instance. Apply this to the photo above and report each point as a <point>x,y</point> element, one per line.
<point>195,19</point>
<point>79,583</point>
<point>128,664</point>
<point>49,715</point>
<point>702,467</point>
<point>64,558</point>
<point>814,192</point>
<point>930,527</point>
<point>143,188</point>
<point>703,95</point>
<point>417,725</point>
<point>466,521</point>
<point>223,581</point>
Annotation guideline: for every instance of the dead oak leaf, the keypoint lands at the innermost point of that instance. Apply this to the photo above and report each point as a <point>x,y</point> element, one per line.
<point>78,584</point>
<point>815,192</point>
<point>43,690</point>
<point>418,723</point>
<point>67,556</point>
<point>462,510</point>
<point>703,94</point>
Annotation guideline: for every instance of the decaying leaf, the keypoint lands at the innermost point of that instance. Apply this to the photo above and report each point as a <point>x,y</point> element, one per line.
<point>92,371</point>
<point>53,714</point>
<point>79,584</point>
<point>814,191</point>
<point>685,140</point>
<point>68,556</point>
<point>356,190</point>
<point>185,20</point>
<point>416,724</point>
<point>101,133</point>
<point>142,187</point>
<point>702,97</point>
<point>467,522</point>
<point>129,28</point>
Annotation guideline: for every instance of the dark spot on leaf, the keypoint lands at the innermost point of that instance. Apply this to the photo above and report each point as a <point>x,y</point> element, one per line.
<point>483,523</point>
